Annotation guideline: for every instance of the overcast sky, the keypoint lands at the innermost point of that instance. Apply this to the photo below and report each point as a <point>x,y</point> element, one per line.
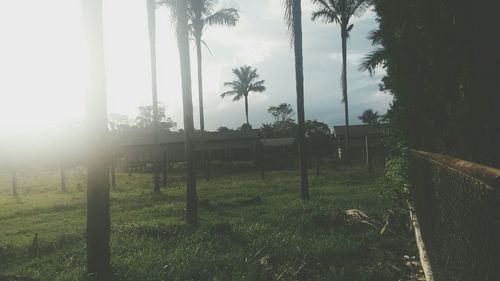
<point>42,65</point>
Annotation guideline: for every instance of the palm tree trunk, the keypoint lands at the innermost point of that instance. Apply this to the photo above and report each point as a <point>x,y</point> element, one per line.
<point>200,99</point>
<point>98,214</point>
<point>63,175</point>
<point>344,89</point>
<point>152,43</point>
<point>113,171</point>
<point>299,78</point>
<point>200,83</point>
<point>246,109</point>
<point>183,44</point>
<point>14,182</point>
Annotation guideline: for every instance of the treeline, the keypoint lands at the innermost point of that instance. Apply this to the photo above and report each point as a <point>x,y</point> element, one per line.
<point>442,62</point>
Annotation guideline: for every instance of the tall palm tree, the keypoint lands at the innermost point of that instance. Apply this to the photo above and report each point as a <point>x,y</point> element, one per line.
<point>151,6</point>
<point>293,17</point>
<point>340,12</point>
<point>202,14</point>
<point>98,214</point>
<point>245,83</point>
<point>182,26</point>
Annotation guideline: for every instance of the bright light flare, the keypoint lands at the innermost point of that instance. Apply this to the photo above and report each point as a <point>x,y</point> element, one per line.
<point>41,66</point>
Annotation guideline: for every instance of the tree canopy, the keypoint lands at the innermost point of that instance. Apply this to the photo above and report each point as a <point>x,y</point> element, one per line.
<point>443,74</point>
<point>369,117</point>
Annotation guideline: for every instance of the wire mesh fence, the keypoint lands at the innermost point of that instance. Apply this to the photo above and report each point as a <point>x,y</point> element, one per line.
<point>458,208</point>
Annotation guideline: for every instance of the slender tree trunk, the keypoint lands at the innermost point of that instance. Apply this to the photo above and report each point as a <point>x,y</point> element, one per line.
<point>367,151</point>
<point>299,78</point>
<point>344,89</point>
<point>98,214</point>
<point>14,182</point>
<point>152,44</point>
<point>200,83</point>
<point>183,44</point>
<point>113,171</point>
<point>63,175</point>
<point>200,99</point>
<point>165,168</point>
<point>246,109</point>
<point>318,163</point>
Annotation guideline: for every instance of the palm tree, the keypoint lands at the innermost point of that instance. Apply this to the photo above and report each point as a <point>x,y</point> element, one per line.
<point>245,83</point>
<point>341,11</point>
<point>181,13</point>
<point>202,15</point>
<point>293,17</point>
<point>98,214</point>
<point>151,6</point>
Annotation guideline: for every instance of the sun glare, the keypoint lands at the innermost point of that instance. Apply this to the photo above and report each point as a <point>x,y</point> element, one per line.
<point>43,67</point>
<point>41,64</point>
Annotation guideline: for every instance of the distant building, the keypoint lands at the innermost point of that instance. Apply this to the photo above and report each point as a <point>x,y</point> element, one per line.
<point>358,134</point>
<point>137,148</point>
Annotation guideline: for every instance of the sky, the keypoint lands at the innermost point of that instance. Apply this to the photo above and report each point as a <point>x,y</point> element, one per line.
<point>42,66</point>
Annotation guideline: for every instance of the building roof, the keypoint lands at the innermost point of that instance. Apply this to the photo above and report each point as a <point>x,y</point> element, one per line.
<point>278,142</point>
<point>359,130</point>
<point>146,138</point>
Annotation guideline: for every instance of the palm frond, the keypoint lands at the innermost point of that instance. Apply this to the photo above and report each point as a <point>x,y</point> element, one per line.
<point>206,46</point>
<point>228,93</point>
<point>257,87</point>
<point>233,84</point>
<point>375,36</point>
<point>324,15</point>
<point>237,97</point>
<point>171,5</point>
<point>373,60</point>
<point>224,17</point>
<point>288,15</point>
<point>358,7</point>
<point>340,11</point>
<point>328,12</point>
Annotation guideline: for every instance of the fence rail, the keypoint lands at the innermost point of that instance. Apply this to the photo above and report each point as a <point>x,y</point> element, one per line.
<point>458,207</point>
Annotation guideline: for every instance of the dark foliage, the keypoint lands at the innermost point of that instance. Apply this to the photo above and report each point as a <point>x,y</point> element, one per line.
<point>442,65</point>
<point>370,117</point>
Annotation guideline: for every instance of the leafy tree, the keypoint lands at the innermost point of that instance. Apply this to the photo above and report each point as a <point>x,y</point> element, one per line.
<point>320,140</point>
<point>182,27</point>
<point>443,74</point>
<point>119,122</point>
<point>280,129</point>
<point>341,12</point>
<point>283,126</point>
<point>245,127</point>
<point>282,112</point>
<point>145,118</point>
<point>245,83</point>
<point>224,129</point>
<point>370,117</point>
<point>293,18</point>
<point>98,212</point>
<point>317,130</point>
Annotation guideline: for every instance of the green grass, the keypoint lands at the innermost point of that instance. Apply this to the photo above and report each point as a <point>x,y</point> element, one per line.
<point>274,240</point>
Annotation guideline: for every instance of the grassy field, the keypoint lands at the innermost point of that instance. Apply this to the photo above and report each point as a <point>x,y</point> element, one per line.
<point>279,238</point>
